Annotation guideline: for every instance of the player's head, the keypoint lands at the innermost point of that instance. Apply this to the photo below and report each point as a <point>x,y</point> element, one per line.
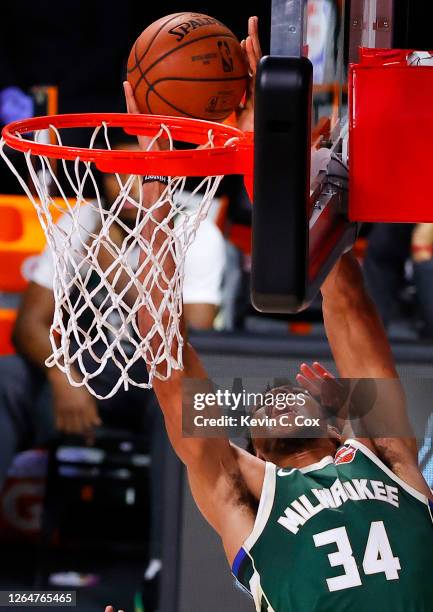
<point>295,421</point>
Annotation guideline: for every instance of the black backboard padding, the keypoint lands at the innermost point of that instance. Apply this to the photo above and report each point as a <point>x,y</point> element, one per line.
<point>282,182</point>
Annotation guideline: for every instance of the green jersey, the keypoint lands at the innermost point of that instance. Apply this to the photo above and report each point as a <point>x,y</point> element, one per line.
<point>344,534</point>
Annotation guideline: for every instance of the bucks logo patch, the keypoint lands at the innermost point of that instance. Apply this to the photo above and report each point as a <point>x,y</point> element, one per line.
<point>345,454</point>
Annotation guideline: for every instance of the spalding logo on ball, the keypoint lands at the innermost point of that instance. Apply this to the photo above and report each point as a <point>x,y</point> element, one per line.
<point>188,65</point>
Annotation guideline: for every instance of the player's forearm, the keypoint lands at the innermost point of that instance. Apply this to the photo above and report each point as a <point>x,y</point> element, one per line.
<point>157,280</point>
<point>361,350</point>
<point>355,332</point>
<point>170,395</point>
<point>31,339</point>
<point>31,334</point>
<point>157,269</point>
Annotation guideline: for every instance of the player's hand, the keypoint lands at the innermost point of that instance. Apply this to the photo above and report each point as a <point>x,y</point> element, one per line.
<point>253,53</point>
<point>132,107</point>
<point>324,387</point>
<point>75,410</point>
<point>111,609</point>
<point>151,191</point>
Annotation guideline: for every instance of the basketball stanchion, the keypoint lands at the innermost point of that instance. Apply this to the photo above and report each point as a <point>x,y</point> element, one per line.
<point>386,179</point>
<point>125,278</point>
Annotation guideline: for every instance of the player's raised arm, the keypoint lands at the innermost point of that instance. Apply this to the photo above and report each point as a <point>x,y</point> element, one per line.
<point>349,313</point>
<point>169,391</point>
<point>216,470</point>
<point>361,351</point>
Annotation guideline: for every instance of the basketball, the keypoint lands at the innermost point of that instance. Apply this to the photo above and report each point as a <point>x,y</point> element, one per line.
<point>190,65</point>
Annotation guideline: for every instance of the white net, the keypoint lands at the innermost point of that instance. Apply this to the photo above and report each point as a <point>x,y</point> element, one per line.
<point>105,267</point>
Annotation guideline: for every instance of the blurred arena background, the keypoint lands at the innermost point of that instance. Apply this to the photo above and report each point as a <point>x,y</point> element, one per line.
<point>74,513</point>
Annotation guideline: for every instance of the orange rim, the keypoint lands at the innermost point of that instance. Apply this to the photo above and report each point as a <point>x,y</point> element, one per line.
<point>232,153</point>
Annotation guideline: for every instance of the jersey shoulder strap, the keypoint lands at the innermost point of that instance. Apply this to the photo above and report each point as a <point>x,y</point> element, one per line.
<point>243,569</point>
<point>378,463</point>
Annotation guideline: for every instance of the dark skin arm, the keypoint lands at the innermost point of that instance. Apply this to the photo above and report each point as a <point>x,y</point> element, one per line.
<point>200,316</point>
<point>75,409</point>
<point>361,350</point>
<point>220,475</point>
<point>31,331</point>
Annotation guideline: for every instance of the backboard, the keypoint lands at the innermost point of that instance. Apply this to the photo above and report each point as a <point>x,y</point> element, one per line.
<point>300,226</point>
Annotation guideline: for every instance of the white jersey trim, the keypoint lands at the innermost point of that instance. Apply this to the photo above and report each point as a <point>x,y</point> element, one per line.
<point>265,506</point>
<point>317,466</point>
<point>283,472</point>
<point>257,591</point>
<point>404,485</point>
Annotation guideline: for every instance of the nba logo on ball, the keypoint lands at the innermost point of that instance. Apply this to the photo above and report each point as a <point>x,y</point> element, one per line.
<point>188,65</point>
<point>226,56</point>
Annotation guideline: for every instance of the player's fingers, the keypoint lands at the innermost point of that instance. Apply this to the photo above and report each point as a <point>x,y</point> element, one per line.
<point>308,385</point>
<point>90,421</point>
<point>94,418</point>
<point>66,425</point>
<point>309,373</point>
<point>126,91</point>
<point>131,104</point>
<point>132,108</point>
<point>59,422</point>
<point>80,422</point>
<point>251,56</point>
<point>77,424</point>
<point>129,96</point>
<point>244,49</point>
<point>95,421</point>
<point>253,32</point>
<point>321,370</point>
<point>329,385</point>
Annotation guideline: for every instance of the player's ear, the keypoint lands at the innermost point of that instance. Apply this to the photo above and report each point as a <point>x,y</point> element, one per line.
<point>335,435</point>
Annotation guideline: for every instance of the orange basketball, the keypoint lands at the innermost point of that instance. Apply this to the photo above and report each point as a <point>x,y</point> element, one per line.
<point>189,65</point>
